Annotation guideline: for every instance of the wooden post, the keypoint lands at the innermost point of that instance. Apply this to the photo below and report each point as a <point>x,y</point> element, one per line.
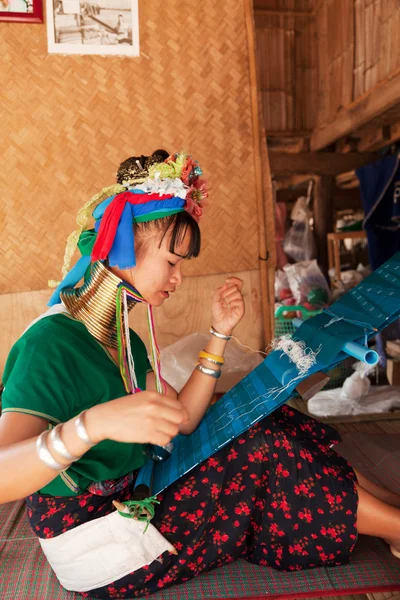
<point>323,217</point>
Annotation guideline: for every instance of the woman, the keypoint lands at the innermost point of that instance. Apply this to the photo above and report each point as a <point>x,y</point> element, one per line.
<point>278,495</point>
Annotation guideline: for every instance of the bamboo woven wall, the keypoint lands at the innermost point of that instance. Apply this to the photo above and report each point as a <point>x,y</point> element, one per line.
<point>67,122</point>
<point>315,58</point>
<point>357,47</point>
<point>287,64</point>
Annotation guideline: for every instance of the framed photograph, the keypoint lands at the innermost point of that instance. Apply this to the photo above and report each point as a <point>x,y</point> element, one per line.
<point>24,11</point>
<point>107,27</point>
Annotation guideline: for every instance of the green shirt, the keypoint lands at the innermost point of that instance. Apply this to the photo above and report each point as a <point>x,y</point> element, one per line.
<point>57,369</point>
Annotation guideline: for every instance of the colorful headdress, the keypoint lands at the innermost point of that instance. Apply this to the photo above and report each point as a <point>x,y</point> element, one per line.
<point>148,188</point>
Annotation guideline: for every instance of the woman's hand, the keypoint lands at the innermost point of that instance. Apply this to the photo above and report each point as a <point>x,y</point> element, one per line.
<point>142,418</point>
<point>228,306</point>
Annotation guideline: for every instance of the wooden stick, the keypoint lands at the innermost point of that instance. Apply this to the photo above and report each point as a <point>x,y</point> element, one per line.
<point>266,257</point>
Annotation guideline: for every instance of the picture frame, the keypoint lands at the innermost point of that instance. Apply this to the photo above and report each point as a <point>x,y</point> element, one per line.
<point>104,27</point>
<point>21,11</point>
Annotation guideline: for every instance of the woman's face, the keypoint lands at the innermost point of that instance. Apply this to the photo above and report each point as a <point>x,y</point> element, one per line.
<point>157,273</point>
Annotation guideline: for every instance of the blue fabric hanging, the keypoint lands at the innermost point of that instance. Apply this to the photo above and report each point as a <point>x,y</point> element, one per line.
<point>380,195</point>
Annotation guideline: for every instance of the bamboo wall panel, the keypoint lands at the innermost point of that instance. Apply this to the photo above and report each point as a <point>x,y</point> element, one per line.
<point>287,67</point>
<point>357,48</point>
<point>335,51</point>
<point>275,54</point>
<point>312,67</point>
<point>306,69</point>
<point>68,121</point>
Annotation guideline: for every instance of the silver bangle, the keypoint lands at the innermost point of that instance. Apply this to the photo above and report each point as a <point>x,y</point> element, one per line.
<point>45,455</point>
<point>58,445</point>
<point>212,372</point>
<point>220,336</point>
<point>81,430</point>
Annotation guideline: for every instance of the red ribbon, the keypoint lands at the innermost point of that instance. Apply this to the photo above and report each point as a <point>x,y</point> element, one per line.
<point>111,218</point>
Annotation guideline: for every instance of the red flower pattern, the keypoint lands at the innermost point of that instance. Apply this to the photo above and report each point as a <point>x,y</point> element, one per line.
<point>279,496</point>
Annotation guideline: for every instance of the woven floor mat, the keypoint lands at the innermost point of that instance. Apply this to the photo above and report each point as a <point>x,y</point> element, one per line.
<point>25,574</point>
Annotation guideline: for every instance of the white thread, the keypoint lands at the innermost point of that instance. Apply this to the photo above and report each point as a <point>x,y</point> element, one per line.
<point>154,352</point>
<point>252,349</point>
<point>274,391</point>
<point>131,364</point>
<point>297,352</point>
<point>303,358</point>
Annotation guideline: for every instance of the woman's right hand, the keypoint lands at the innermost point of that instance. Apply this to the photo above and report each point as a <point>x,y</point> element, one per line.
<point>142,418</point>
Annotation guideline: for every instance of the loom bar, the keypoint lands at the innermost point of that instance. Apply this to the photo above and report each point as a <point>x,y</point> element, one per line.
<point>358,351</point>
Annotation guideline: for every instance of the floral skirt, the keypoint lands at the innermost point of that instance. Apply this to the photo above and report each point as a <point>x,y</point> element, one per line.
<point>277,496</point>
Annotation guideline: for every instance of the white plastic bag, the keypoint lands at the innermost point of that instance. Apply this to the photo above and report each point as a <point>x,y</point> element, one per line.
<point>380,399</point>
<point>298,242</point>
<point>305,277</point>
<point>357,385</point>
<point>178,360</point>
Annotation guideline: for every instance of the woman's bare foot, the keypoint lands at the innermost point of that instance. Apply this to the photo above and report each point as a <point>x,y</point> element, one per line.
<point>395,549</point>
<point>378,491</point>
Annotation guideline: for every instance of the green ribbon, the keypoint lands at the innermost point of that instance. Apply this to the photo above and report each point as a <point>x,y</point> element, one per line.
<point>86,242</point>
<point>85,246</point>
<point>141,510</point>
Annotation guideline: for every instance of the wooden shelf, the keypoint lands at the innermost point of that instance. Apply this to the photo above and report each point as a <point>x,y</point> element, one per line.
<point>334,240</point>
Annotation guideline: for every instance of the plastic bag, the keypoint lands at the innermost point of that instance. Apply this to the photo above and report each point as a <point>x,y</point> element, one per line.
<point>178,360</point>
<point>298,242</point>
<point>380,399</point>
<point>307,282</point>
<point>357,385</point>
<point>282,288</point>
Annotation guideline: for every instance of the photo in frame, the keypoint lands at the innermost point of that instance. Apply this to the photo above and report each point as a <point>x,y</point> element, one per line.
<point>21,11</point>
<point>105,27</point>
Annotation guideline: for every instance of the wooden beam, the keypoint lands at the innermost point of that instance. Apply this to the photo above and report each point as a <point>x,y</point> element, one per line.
<point>268,12</point>
<point>323,217</point>
<point>377,100</point>
<point>342,198</point>
<point>288,144</point>
<point>318,163</point>
<point>298,133</point>
<point>372,138</point>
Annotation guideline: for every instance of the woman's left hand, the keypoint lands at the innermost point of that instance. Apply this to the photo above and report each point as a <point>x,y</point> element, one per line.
<point>228,306</point>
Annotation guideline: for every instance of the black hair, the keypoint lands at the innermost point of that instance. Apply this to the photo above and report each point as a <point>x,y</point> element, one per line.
<point>138,166</point>
<point>160,152</point>
<point>179,224</point>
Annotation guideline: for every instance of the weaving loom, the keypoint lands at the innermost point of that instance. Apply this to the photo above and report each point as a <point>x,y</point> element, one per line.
<point>353,319</point>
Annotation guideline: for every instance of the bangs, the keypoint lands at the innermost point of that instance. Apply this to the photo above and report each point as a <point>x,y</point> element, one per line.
<point>178,225</point>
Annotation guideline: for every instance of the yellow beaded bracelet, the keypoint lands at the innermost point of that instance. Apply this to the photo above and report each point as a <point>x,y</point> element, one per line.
<point>214,358</point>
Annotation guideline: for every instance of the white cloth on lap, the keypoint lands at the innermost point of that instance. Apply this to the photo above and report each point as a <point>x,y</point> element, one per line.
<point>102,551</point>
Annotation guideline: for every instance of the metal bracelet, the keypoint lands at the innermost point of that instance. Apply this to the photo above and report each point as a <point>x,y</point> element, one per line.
<point>211,360</point>
<point>58,445</point>
<point>81,430</point>
<point>45,455</point>
<point>212,372</point>
<point>220,336</point>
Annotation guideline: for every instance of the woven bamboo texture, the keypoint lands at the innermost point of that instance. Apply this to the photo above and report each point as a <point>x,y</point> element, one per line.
<point>357,48</point>
<point>316,58</point>
<point>68,121</point>
<point>287,64</point>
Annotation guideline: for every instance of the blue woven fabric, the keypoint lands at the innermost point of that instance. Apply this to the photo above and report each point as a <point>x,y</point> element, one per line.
<point>366,309</point>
